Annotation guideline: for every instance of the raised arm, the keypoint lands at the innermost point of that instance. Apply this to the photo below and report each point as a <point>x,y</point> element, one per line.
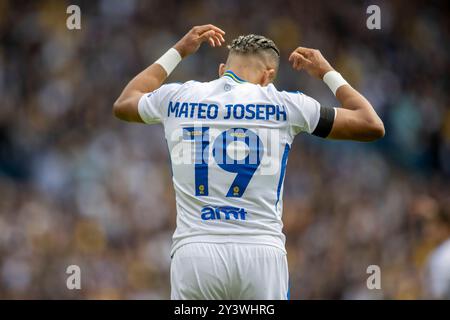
<point>356,119</point>
<point>126,106</point>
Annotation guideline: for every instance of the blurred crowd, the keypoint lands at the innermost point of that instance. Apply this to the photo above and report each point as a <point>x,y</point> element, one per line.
<point>79,187</point>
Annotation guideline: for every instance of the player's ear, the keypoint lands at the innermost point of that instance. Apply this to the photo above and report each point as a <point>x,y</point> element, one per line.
<point>271,74</point>
<point>221,69</point>
<point>268,76</point>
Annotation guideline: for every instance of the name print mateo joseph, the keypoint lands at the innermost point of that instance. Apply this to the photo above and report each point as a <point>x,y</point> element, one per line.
<point>230,111</point>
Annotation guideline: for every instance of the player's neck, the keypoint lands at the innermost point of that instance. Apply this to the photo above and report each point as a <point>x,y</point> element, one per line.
<point>246,74</point>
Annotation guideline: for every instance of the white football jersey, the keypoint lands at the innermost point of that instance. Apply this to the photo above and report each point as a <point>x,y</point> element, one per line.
<point>229,142</point>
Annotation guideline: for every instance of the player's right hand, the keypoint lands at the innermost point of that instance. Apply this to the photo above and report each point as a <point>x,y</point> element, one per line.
<point>310,60</point>
<point>196,36</point>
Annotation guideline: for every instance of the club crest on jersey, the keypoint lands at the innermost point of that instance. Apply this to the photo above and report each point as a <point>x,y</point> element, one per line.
<point>223,212</point>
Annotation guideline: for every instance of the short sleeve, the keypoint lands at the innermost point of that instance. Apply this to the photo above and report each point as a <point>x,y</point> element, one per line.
<point>151,106</point>
<point>304,111</point>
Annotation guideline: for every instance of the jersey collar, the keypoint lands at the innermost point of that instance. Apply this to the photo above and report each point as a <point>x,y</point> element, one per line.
<point>233,76</point>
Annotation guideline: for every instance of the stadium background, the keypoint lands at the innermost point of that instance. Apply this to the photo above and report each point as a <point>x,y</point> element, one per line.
<point>77,186</point>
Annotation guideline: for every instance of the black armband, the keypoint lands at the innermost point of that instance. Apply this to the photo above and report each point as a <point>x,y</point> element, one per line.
<point>325,123</point>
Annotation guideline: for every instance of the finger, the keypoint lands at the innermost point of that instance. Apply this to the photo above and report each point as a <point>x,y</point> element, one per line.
<point>298,64</point>
<point>206,27</point>
<point>294,58</point>
<point>212,37</point>
<point>304,51</point>
<point>206,35</point>
<point>291,57</point>
<point>293,62</point>
<point>301,60</point>
<point>294,55</point>
<point>304,62</point>
<point>222,39</point>
<point>217,29</point>
<point>217,41</point>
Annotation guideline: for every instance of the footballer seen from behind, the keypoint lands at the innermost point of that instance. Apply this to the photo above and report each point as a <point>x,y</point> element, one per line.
<point>229,141</point>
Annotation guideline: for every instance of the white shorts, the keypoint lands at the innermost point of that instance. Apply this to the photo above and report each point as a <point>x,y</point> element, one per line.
<point>229,271</point>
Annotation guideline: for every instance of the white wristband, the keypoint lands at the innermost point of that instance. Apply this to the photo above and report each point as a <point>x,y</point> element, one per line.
<point>169,60</point>
<point>334,80</point>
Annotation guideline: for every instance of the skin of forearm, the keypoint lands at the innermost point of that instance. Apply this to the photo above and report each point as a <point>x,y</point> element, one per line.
<point>361,121</point>
<point>351,99</point>
<point>148,80</point>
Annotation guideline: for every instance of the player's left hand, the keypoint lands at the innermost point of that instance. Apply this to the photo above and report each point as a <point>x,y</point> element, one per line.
<point>190,43</point>
<point>310,60</point>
